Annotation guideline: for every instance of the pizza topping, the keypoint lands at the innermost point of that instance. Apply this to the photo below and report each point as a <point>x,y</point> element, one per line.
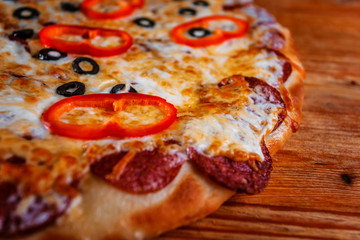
<point>201,3</point>
<point>272,39</point>
<point>99,42</point>
<point>16,160</point>
<point>22,34</point>
<point>259,15</point>
<point>80,68</point>
<point>232,117</point>
<point>102,10</point>
<point>49,23</point>
<point>118,88</point>
<point>209,31</point>
<point>132,90</point>
<point>69,7</point>
<point>268,94</point>
<point>187,12</point>
<point>19,214</point>
<point>9,198</point>
<point>199,32</point>
<point>144,22</point>
<point>139,172</point>
<point>48,54</point>
<point>249,176</point>
<point>281,118</point>
<point>117,107</point>
<point>71,89</point>
<point>26,13</point>
<point>23,42</point>
<point>230,5</point>
<point>287,70</point>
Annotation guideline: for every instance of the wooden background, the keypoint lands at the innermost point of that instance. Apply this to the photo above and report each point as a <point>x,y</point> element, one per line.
<point>314,192</point>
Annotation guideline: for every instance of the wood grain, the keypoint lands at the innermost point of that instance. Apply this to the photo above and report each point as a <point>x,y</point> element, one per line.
<point>314,192</point>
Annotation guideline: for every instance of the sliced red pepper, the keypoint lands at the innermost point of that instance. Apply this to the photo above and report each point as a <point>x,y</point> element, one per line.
<point>126,8</point>
<point>49,36</point>
<point>180,34</point>
<point>114,126</point>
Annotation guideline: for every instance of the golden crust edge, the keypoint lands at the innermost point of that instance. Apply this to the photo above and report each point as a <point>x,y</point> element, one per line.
<point>195,197</point>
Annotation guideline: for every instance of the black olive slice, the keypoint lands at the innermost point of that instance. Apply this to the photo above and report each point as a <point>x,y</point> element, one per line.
<point>76,66</point>
<point>49,23</point>
<point>23,34</point>
<point>201,3</point>
<point>144,22</point>
<point>199,32</point>
<point>71,89</point>
<point>187,11</point>
<point>47,54</point>
<point>69,7</point>
<point>133,90</point>
<point>26,13</point>
<point>117,88</point>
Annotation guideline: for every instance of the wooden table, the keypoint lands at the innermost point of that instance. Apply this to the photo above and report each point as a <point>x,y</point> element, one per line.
<point>314,192</point>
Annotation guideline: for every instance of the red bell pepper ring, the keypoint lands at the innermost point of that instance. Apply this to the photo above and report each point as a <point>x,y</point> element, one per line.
<point>180,35</point>
<point>50,37</point>
<point>126,8</point>
<point>112,127</point>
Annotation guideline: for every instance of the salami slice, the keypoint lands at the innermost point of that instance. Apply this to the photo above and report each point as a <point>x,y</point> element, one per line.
<point>249,177</point>
<point>285,62</point>
<point>265,29</point>
<point>230,5</point>
<point>19,215</point>
<point>138,172</point>
<point>268,93</point>
<point>287,70</point>
<point>272,39</point>
<point>259,14</point>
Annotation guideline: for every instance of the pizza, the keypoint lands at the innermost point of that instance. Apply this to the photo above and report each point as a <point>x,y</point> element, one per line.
<point>123,119</point>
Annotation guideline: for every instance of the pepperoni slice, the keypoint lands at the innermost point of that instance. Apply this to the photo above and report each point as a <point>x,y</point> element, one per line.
<point>286,64</point>
<point>272,39</point>
<point>269,95</point>
<point>138,172</point>
<point>287,70</point>
<point>250,176</point>
<point>261,16</point>
<point>230,5</point>
<point>38,213</point>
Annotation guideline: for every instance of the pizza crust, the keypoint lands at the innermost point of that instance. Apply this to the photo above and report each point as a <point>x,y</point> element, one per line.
<point>189,197</point>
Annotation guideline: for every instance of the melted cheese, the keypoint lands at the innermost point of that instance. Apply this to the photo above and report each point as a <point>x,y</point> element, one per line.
<point>154,65</point>
<point>16,52</point>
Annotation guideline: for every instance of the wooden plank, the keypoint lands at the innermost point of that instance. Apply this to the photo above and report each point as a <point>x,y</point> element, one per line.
<point>314,192</point>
